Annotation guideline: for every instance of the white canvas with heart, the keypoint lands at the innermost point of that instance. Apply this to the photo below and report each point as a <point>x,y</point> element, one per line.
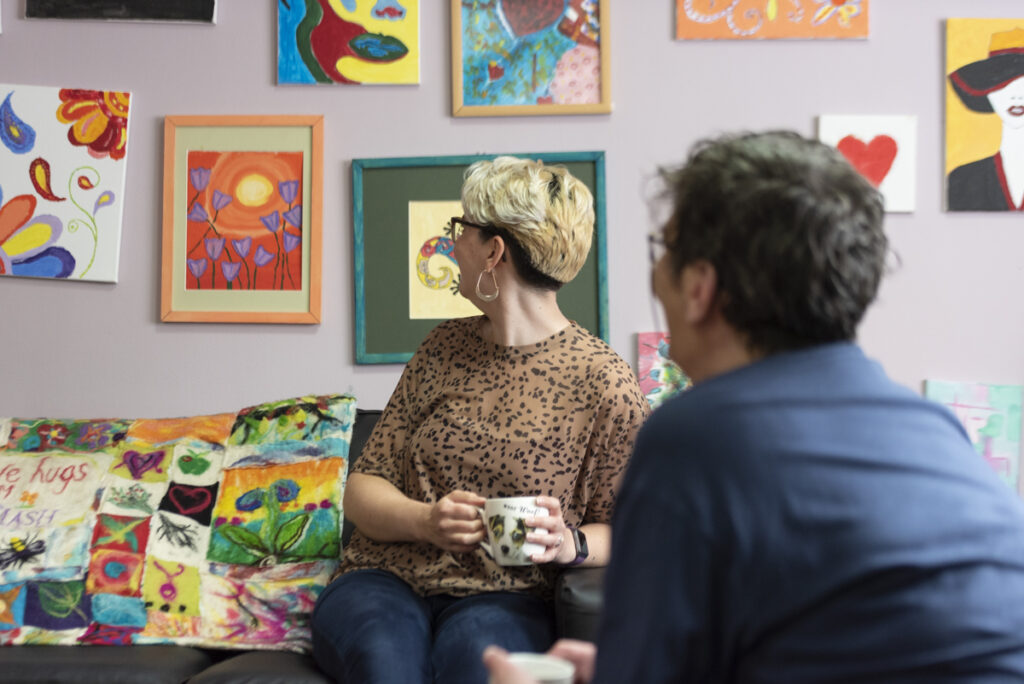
<point>882,147</point>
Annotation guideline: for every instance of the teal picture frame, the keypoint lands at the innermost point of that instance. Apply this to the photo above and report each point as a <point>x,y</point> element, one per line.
<point>382,189</point>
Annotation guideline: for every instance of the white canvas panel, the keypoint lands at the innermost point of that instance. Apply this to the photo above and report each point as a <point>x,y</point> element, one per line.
<point>882,147</point>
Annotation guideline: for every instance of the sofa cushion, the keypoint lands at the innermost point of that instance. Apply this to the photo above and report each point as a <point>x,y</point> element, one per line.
<point>259,667</point>
<point>211,530</point>
<point>129,665</point>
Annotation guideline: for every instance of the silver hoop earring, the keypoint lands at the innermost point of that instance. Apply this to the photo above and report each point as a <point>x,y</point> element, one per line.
<point>480,293</point>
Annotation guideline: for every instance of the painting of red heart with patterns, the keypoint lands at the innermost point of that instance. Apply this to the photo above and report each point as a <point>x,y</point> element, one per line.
<point>872,159</point>
<point>528,16</point>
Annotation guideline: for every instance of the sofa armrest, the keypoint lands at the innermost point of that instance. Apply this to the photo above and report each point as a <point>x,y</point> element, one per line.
<point>578,600</point>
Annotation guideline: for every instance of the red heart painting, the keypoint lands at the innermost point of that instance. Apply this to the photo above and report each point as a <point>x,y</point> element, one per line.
<point>528,16</point>
<point>189,500</point>
<point>873,159</point>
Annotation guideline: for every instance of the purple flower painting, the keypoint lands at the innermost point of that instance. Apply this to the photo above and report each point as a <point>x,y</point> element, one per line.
<point>244,221</point>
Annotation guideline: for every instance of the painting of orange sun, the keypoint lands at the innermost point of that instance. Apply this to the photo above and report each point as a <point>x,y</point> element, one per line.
<point>244,214</point>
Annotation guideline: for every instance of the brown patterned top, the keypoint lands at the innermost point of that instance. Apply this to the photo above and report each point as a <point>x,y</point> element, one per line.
<point>558,417</point>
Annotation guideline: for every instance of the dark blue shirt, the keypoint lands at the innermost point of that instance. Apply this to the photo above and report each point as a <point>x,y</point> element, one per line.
<point>805,519</point>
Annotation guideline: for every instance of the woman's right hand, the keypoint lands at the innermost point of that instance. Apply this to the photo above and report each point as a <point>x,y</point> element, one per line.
<point>454,522</point>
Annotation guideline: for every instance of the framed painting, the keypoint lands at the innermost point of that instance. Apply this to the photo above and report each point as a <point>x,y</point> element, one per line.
<point>771,19</point>
<point>991,415</point>
<point>146,10</point>
<point>63,153</point>
<point>660,377</point>
<point>530,57</point>
<point>344,41</point>
<point>883,148</point>
<point>984,92</point>
<point>406,277</point>
<point>242,219</point>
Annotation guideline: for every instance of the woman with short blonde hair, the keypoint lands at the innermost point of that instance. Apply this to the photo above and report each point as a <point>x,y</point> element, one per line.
<point>519,401</point>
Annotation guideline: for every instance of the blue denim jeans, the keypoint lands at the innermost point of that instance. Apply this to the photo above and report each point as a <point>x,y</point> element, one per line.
<point>370,627</point>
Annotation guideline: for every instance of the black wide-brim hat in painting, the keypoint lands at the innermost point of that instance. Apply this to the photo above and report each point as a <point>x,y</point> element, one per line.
<point>1004,65</point>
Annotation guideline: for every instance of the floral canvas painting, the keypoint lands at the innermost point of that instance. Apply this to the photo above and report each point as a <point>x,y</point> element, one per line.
<point>882,148</point>
<point>62,181</point>
<point>244,221</point>
<point>991,414</point>
<point>660,377</point>
<point>766,19</point>
<point>540,54</point>
<point>348,41</point>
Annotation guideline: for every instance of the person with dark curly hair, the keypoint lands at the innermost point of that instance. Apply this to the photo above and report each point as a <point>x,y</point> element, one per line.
<point>796,516</point>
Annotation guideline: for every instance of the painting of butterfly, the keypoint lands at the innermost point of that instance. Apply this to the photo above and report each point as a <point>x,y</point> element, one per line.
<point>62,174</point>
<point>660,377</point>
<point>882,148</point>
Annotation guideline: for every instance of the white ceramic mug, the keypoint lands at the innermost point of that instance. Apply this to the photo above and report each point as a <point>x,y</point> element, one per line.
<point>546,669</point>
<point>505,521</point>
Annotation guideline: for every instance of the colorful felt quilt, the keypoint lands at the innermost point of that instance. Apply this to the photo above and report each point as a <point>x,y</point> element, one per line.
<point>216,530</point>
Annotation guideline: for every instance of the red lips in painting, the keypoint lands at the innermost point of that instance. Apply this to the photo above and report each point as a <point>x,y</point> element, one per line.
<point>873,159</point>
<point>529,16</point>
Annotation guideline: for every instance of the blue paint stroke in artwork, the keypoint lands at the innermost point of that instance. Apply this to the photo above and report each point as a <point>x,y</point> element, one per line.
<point>349,5</point>
<point>17,135</point>
<point>114,569</point>
<point>506,69</point>
<point>118,611</point>
<point>378,47</point>
<point>54,262</point>
<point>388,9</point>
<point>290,67</point>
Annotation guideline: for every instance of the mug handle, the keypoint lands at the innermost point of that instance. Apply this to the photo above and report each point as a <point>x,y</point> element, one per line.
<point>483,542</point>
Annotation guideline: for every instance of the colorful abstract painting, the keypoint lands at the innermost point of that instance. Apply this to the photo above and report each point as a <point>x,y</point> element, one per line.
<point>147,10</point>
<point>62,179</point>
<point>660,377</point>
<point>222,535</point>
<point>985,114</point>
<point>348,41</point>
<point>434,275</point>
<point>991,414</point>
<point>542,56</point>
<point>766,19</point>
<point>244,221</point>
<point>882,148</point>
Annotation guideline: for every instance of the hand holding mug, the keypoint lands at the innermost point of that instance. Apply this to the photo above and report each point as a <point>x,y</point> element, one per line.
<point>550,532</point>
<point>453,523</point>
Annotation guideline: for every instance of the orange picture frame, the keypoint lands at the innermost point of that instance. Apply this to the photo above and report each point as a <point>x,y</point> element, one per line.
<point>242,219</point>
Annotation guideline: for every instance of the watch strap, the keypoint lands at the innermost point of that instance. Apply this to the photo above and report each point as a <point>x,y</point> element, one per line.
<point>580,541</point>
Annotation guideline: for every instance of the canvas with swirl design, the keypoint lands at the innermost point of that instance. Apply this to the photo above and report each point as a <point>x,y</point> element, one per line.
<point>62,181</point>
<point>767,19</point>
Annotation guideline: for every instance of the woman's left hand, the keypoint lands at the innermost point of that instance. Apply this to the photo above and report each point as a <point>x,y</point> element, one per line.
<point>551,532</point>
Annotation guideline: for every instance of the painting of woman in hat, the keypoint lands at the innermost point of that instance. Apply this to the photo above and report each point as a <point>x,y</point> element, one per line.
<point>993,85</point>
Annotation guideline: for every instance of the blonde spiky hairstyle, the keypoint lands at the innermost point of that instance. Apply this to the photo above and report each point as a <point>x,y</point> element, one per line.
<point>549,212</point>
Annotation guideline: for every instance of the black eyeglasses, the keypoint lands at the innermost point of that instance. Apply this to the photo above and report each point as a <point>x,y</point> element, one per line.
<point>458,224</point>
<point>655,247</point>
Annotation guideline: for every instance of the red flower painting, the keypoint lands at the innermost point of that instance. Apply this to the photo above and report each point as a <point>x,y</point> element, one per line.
<point>99,120</point>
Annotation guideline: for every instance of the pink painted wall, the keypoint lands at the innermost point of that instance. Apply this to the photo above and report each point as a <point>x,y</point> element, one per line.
<point>952,310</point>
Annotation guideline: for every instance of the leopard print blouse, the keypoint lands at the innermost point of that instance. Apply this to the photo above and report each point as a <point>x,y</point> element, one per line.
<point>558,418</point>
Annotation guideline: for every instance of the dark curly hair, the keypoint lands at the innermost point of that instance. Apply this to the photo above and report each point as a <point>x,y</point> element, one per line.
<point>793,231</point>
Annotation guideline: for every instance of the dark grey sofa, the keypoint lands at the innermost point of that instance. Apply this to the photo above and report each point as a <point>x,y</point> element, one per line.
<point>577,605</point>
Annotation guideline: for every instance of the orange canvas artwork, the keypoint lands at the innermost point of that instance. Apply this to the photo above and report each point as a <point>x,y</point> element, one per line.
<point>768,19</point>
<point>244,221</point>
